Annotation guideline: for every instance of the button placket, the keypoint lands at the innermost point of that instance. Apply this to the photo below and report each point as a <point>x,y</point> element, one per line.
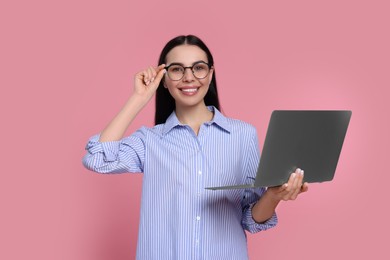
<point>198,188</point>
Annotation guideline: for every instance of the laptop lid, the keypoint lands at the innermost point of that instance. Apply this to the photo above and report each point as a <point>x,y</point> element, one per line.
<point>306,139</point>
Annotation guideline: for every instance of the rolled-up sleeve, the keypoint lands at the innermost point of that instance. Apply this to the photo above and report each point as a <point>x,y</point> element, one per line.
<point>248,223</point>
<point>251,196</point>
<point>125,155</point>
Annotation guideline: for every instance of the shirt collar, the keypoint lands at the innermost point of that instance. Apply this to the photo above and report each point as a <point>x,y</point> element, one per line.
<point>219,119</point>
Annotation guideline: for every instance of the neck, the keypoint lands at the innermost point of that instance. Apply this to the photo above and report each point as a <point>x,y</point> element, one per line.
<point>194,116</point>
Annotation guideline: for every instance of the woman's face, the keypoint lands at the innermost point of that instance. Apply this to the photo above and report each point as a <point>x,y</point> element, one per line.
<point>188,91</point>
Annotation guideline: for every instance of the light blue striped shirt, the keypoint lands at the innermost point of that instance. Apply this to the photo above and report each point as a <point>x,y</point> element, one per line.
<point>179,218</point>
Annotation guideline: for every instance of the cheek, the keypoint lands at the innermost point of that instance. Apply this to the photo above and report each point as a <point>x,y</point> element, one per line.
<point>207,80</point>
<point>168,84</point>
<point>210,76</point>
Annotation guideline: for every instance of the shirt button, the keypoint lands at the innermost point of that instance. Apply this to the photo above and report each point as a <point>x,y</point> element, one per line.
<point>198,194</point>
<point>200,172</point>
<point>198,218</point>
<point>197,241</point>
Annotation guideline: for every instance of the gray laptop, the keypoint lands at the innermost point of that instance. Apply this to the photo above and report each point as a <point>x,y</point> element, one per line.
<point>310,140</point>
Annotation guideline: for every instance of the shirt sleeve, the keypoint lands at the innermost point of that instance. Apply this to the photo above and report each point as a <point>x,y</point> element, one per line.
<point>251,196</point>
<point>248,223</point>
<point>126,155</point>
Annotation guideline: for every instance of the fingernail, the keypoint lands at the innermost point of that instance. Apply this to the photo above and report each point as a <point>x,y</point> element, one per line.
<point>293,175</point>
<point>152,80</point>
<point>302,172</point>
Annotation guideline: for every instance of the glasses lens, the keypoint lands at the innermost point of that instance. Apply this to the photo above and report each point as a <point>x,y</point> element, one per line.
<point>175,72</point>
<point>200,70</point>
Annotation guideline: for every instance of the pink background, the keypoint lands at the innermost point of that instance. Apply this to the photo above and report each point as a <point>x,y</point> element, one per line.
<point>67,67</point>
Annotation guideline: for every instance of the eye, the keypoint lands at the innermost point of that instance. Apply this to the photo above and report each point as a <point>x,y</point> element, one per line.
<point>200,67</point>
<point>176,68</point>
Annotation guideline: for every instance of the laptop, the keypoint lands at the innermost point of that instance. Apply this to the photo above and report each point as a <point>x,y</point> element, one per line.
<point>306,139</point>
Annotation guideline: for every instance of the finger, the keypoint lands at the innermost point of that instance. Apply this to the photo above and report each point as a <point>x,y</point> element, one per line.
<point>281,189</point>
<point>154,81</point>
<point>153,73</point>
<point>157,72</point>
<point>292,183</point>
<point>160,67</point>
<point>277,191</point>
<point>298,179</point>
<point>305,187</point>
<point>142,77</point>
<point>298,185</point>
<point>148,75</point>
<point>159,75</point>
<point>292,180</point>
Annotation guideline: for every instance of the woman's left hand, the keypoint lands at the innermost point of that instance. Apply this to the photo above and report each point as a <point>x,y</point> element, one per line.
<point>291,189</point>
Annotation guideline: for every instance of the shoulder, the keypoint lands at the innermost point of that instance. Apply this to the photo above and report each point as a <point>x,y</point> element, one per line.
<point>142,134</point>
<point>243,133</point>
<point>241,127</point>
<point>145,131</point>
<point>232,125</point>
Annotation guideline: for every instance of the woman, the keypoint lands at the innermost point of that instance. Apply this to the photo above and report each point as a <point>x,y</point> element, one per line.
<point>192,146</point>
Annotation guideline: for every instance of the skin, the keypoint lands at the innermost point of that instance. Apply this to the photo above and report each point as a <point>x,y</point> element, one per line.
<point>191,110</point>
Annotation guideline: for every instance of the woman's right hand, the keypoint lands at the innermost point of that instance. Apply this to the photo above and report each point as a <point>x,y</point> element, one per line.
<point>145,85</point>
<point>147,81</point>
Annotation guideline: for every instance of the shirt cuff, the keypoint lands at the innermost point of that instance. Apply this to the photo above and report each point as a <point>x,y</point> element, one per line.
<point>252,226</point>
<point>109,149</point>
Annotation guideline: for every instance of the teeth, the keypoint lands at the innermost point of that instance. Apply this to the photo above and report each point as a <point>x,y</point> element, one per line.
<point>189,90</point>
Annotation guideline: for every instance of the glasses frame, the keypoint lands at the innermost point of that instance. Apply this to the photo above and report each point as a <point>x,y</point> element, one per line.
<point>188,67</point>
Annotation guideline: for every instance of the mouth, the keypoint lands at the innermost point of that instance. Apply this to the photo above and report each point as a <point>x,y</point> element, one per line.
<point>189,91</point>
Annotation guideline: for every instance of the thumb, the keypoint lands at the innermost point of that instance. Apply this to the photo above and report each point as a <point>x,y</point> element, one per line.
<point>155,82</point>
<point>160,74</point>
<point>282,188</point>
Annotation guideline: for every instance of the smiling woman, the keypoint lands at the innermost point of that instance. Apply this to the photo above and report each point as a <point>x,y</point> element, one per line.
<point>188,82</point>
<point>165,103</point>
<point>192,146</point>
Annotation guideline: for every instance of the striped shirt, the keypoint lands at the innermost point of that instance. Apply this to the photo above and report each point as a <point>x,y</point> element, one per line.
<point>179,218</point>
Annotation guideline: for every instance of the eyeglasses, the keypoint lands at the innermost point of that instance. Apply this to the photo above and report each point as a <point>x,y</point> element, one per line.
<point>200,70</point>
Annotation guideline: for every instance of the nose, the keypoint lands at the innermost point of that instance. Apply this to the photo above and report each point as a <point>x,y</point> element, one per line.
<point>188,75</point>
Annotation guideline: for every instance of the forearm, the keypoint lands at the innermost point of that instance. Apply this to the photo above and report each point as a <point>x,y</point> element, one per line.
<point>264,208</point>
<point>115,130</point>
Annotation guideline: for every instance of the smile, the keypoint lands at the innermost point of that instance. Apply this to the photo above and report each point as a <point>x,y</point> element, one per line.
<point>189,91</point>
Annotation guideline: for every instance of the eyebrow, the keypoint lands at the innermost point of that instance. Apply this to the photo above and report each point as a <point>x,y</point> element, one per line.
<point>182,64</point>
